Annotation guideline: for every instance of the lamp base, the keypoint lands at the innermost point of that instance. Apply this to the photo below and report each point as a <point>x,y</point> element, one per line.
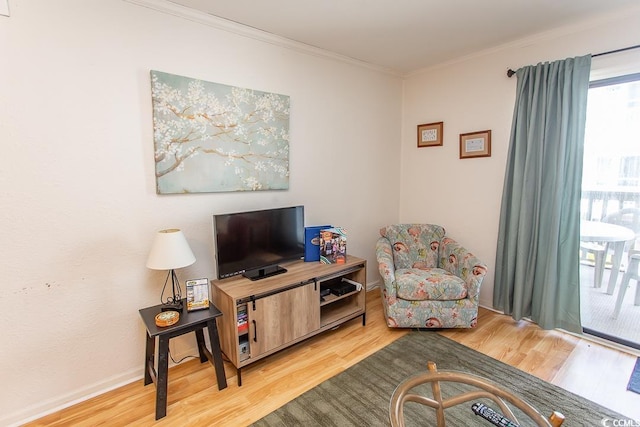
<point>172,306</point>
<point>173,302</point>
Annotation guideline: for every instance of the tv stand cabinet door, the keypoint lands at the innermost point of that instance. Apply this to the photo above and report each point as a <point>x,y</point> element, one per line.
<point>283,317</point>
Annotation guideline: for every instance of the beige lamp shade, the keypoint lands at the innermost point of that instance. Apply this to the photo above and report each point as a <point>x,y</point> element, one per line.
<point>169,251</point>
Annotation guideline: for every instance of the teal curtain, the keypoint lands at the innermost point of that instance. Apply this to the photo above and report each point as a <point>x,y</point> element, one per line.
<point>537,263</point>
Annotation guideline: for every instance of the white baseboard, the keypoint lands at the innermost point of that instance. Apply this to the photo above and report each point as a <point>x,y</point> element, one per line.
<point>58,403</point>
<point>41,409</point>
<point>372,285</point>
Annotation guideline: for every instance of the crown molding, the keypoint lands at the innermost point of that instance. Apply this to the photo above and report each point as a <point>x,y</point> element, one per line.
<point>199,17</point>
<point>545,36</point>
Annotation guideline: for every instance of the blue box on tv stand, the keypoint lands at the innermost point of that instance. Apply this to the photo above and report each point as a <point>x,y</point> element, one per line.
<point>312,242</point>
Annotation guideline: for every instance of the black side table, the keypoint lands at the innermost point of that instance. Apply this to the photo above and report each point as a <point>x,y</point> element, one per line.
<point>189,322</point>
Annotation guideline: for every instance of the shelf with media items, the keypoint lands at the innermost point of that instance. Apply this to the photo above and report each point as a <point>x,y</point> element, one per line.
<point>243,332</point>
<point>263,317</point>
<point>339,296</point>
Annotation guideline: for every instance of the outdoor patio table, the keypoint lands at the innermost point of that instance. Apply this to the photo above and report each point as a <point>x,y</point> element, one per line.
<point>616,235</point>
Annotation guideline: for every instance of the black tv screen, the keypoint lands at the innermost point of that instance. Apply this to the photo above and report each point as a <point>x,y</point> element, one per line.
<point>254,243</point>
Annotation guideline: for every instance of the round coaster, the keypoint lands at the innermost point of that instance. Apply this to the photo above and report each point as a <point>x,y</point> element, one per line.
<point>167,318</point>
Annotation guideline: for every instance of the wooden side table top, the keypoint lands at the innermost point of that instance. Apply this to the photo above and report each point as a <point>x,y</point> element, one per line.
<point>187,319</point>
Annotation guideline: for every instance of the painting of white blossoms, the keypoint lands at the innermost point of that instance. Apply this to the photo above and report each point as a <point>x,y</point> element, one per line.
<point>211,137</point>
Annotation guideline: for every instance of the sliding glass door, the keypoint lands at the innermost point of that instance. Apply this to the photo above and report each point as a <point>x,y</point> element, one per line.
<point>611,195</point>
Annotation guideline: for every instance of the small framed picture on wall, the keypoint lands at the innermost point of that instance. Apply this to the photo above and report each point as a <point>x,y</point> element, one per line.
<point>475,144</point>
<point>430,134</point>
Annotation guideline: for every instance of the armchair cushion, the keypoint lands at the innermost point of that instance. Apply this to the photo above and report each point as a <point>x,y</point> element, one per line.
<point>436,284</point>
<point>414,246</point>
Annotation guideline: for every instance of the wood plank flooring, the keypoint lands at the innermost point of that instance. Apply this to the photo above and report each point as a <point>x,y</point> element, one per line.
<point>594,371</point>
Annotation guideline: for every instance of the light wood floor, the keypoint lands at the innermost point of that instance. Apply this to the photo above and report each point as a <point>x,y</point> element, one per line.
<point>596,372</point>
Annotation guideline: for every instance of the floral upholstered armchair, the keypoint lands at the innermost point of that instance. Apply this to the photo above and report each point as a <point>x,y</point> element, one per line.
<point>430,281</point>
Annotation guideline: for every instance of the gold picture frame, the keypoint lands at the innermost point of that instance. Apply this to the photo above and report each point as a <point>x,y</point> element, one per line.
<point>430,134</point>
<point>475,144</point>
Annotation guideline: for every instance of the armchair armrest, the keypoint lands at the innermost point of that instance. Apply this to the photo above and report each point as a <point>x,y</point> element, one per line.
<point>384,255</point>
<point>459,261</point>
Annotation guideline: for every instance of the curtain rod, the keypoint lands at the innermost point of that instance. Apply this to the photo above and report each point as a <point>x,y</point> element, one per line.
<point>510,72</point>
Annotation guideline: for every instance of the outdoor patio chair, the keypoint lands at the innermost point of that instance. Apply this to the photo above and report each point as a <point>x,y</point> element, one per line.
<point>632,273</point>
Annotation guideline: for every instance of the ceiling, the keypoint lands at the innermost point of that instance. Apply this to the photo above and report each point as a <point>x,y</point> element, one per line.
<point>404,36</point>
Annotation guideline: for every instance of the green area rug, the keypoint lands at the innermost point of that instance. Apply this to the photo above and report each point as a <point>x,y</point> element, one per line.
<point>360,395</point>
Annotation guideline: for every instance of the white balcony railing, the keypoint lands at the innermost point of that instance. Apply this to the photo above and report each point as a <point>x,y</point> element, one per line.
<point>598,202</point>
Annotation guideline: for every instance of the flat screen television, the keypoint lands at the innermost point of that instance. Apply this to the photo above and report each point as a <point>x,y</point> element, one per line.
<point>255,243</point>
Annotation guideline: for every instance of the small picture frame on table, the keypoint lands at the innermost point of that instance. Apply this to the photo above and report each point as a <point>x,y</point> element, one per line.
<point>475,144</point>
<point>430,134</point>
<point>197,294</point>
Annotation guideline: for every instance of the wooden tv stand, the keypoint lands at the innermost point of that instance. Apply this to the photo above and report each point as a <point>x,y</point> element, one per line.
<point>285,309</point>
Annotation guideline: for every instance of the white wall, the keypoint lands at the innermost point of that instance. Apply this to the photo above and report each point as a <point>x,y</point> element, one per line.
<point>474,94</point>
<point>78,202</point>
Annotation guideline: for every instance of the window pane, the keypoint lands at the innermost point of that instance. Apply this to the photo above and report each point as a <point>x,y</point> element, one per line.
<point>611,173</point>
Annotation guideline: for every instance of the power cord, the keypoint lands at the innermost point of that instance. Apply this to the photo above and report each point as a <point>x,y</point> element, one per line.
<point>181,360</point>
<point>224,357</point>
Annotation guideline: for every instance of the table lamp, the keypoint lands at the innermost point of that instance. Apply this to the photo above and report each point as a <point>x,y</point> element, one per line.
<point>170,251</point>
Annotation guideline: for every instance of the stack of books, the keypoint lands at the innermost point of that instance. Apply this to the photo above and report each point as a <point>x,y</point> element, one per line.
<point>243,325</point>
<point>333,245</point>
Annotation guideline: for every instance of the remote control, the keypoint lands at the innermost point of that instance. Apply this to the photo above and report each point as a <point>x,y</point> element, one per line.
<point>492,416</point>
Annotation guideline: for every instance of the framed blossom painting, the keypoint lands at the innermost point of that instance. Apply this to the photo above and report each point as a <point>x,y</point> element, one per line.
<point>209,137</point>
